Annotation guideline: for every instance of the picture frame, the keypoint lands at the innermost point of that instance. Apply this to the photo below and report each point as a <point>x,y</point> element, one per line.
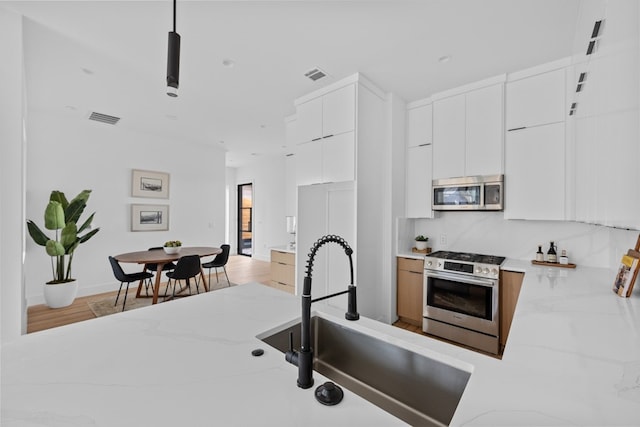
<point>151,184</point>
<point>146,217</point>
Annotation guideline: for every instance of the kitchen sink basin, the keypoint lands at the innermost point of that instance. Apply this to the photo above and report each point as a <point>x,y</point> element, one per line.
<point>415,388</point>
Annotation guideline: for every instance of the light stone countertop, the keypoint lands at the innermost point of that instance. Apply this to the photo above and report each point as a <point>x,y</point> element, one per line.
<point>572,358</point>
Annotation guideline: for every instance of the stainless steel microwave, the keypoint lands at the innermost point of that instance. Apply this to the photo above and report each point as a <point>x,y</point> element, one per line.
<point>480,193</point>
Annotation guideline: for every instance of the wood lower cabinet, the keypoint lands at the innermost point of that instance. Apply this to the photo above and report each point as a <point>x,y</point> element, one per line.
<point>409,288</point>
<point>283,271</point>
<point>510,285</point>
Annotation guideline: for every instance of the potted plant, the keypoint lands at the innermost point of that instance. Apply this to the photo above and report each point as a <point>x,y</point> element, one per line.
<point>172,247</point>
<point>62,216</point>
<point>421,242</point>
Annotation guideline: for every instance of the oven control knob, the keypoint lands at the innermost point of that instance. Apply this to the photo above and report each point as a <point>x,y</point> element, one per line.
<point>478,270</point>
<point>485,270</point>
<point>429,263</point>
<point>494,271</point>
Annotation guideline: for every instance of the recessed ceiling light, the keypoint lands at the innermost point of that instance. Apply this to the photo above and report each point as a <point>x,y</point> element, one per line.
<point>263,126</point>
<point>229,63</point>
<point>444,59</point>
<point>70,107</point>
<point>171,117</point>
<point>87,71</point>
<point>220,142</point>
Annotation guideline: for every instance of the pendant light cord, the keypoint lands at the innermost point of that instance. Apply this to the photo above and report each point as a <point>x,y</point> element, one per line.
<point>174,16</point>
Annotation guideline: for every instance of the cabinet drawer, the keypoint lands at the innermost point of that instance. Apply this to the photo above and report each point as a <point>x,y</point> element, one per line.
<point>283,273</point>
<point>410,264</point>
<point>283,257</point>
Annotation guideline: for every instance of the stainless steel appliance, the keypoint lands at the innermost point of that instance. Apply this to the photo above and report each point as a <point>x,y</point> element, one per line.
<point>481,193</point>
<point>461,292</point>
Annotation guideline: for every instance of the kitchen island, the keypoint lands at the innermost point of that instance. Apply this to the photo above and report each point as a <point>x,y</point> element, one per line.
<point>572,358</point>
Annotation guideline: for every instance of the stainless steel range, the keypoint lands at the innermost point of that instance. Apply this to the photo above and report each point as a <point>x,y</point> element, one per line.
<point>461,292</point>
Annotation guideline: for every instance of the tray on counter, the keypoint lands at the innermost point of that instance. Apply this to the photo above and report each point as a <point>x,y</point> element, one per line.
<point>553,264</point>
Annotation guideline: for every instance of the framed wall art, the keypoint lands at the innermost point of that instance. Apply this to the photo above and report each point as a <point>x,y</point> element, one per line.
<point>149,217</point>
<point>149,184</point>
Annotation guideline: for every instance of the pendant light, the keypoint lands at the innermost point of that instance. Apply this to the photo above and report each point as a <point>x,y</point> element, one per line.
<point>173,58</point>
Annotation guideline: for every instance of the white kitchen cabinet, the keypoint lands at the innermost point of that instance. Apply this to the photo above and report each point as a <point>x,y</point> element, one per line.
<point>326,209</point>
<point>606,120</point>
<point>290,166</point>
<point>484,131</point>
<point>419,125</point>
<point>419,176</point>
<point>468,133</point>
<point>535,173</point>
<point>536,100</point>
<point>309,120</point>
<point>449,137</point>
<point>326,115</point>
<point>338,157</point>
<point>339,111</point>
<point>309,163</point>
<point>326,160</point>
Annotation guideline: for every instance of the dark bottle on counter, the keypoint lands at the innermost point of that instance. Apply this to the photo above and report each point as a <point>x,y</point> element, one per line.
<point>539,254</point>
<point>551,254</point>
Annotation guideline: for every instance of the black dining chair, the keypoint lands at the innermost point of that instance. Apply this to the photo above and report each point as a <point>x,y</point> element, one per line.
<point>123,277</point>
<point>153,267</point>
<point>220,261</point>
<point>187,268</point>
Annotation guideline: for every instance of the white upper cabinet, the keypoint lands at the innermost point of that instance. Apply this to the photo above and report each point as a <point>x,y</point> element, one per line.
<point>309,163</point>
<point>419,125</point>
<point>338,158</point>
<point>536,100</point>
<point>449,137</point>
<point>339,111</point>
<point>327,115</point>
<point>607,152</point>
<point>468,133</point>
<point>419,175</point>
<point>534,173</point>
<point>484,131</point>
<point>309,121</point>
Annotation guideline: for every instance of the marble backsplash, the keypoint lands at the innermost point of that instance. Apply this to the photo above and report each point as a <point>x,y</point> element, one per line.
<point>489,233</point>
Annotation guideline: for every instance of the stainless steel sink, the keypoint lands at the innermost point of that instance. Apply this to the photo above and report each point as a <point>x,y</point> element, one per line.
<point>415,388</point>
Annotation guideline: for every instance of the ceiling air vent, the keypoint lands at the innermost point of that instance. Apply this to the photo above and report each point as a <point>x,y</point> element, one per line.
<point>315,74</point>
<point>104,118</point>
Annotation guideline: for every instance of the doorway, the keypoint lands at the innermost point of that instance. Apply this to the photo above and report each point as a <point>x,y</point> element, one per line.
<point>245,219</point>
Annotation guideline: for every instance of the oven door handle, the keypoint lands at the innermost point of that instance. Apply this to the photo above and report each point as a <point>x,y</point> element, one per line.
<point>489,283</point>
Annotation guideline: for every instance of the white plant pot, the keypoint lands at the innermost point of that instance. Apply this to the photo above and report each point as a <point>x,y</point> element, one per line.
<point>61,294</point>
<point>421,245</point>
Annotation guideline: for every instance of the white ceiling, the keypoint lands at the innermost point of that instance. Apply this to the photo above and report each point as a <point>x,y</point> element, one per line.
<point>110,57</point>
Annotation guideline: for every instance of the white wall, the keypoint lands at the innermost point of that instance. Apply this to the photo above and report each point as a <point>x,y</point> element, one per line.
<point>489,233</point>
<point>268,175</point>
<point>12,304</point>
<point>71,154</point>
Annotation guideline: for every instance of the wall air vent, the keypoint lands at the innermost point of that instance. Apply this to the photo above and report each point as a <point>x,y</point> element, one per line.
<point>104,118</point>
<point>315,74</point>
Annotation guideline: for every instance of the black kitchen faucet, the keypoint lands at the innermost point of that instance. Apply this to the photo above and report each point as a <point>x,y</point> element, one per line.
<point>303,358</point>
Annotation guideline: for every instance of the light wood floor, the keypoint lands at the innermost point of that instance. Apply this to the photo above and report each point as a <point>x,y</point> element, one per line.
<point>240,269</point>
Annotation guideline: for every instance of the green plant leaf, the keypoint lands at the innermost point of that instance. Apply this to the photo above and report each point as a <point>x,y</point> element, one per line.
<point>54,248</point>
<point>86,224</point>
<point>88,235</point>
<point>58,196</point>
<point>76,206</point>
<point>36,234</point>
<point>69,235</point>
<point>54,216</point>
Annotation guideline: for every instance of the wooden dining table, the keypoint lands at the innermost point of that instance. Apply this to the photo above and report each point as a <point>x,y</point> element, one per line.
<point>160,258</point>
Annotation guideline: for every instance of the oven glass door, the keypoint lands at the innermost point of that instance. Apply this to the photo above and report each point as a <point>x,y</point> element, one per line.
<point>471,299</point>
